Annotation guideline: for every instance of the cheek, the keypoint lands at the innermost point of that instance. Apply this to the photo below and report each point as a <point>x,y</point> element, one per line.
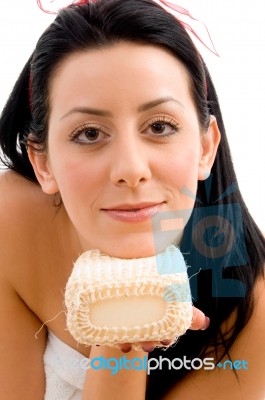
<point>78,180</point>
<point>180,168</point>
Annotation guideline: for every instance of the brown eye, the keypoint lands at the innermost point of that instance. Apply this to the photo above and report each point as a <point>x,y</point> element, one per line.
<point>91,134</point>
<point>158,127</point>
<point>162,127</point>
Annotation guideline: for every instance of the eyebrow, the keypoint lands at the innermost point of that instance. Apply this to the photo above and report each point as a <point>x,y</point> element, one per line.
<point>157,102</point>
<point>105,113</point>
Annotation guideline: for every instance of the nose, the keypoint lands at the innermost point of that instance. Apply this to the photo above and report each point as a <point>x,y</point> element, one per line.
<point>130,164</point>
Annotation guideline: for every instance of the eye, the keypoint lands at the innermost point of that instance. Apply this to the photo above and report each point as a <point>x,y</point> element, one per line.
<point>88,135</point>
<point>91,134</point>
<point>162,126</point>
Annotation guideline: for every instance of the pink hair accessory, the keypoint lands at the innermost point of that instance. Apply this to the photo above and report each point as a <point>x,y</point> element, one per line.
<point>182,12</point>
<point>54,6</point>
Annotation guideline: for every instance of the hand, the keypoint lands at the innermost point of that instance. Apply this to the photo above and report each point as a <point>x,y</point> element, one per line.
<point>199,321</point>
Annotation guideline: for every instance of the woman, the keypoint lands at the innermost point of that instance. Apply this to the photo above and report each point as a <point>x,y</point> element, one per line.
<point>114,119</point>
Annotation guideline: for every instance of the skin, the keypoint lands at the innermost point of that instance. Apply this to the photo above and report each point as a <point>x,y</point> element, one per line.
<point>129,166</point>
<point>127,161</point>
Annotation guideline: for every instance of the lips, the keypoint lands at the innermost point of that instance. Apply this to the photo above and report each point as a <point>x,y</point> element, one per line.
<point>133,212</point>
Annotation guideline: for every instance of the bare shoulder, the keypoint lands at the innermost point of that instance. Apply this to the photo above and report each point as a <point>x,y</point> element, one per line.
<point>36,255</point>
<point>28,237</point>
<point>19,195</point>
<point>23,208</point>
<point>21,353</point>
<point>25,215</point>
<point>248,357</point>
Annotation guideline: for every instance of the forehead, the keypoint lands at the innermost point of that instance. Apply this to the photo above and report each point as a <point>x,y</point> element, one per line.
<point>124,73</point>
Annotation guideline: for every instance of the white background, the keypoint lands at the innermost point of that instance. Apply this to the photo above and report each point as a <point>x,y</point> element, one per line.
<point>237,28</point>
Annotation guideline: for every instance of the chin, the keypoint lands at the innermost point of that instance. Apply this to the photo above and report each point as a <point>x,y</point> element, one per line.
<point>130,245</point>
<point>137,252</point>
<point>129,248</point>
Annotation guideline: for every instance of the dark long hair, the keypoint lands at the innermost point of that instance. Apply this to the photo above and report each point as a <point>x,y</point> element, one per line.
<point>223,247</point>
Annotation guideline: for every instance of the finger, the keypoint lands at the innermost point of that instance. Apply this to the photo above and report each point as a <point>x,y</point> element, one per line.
<point>125,347</point>
<point>166,342</point>
<point>199,320</point>
<point>148,346</point>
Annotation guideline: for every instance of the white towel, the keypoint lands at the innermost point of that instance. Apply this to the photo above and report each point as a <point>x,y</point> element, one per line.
<point>64,369</point>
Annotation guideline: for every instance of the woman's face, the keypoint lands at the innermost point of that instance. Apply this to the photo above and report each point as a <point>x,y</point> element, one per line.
<point>123,142</point>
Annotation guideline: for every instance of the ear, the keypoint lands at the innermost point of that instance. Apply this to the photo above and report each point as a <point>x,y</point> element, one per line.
<point>209,145</point>
<point>42,169</point>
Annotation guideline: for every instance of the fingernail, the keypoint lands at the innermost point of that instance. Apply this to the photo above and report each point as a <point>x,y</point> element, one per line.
<point>207,323</point>
<point>127,349</point>
<point>166,342</point>
<point>148,349</point>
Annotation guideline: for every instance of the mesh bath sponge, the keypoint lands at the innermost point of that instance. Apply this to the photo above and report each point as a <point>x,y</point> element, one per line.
<point>111,300</point>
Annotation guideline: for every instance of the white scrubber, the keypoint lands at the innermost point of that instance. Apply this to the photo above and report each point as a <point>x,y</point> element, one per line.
<point>111,300</point>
